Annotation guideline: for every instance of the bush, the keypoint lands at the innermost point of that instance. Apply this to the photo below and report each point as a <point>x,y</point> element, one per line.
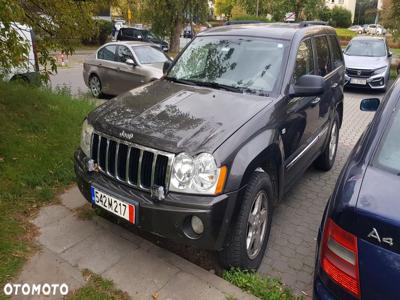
<point>100,34</point>
<point>340,17</point>
<point>325,14</point>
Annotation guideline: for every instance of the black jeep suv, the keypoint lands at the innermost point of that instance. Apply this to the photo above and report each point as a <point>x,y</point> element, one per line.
<point>203,155</point>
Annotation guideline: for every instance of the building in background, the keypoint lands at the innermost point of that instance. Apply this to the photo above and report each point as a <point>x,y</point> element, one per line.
<point>347,4</point>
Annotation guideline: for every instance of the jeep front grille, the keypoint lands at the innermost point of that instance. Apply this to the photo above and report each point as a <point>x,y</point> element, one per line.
<point>132,164</point>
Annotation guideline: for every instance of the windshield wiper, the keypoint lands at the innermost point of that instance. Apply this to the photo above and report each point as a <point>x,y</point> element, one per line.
<point>219,86</point>
<point>183,81</point>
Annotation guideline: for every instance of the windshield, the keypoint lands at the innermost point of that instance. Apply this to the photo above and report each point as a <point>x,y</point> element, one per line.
<point>366,48</point>
<point>388,155</point>
<point>149,55</point>
<point>245,64</point>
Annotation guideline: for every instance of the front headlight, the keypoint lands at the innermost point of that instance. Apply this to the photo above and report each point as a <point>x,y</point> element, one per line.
<point>380,71</point>
<point>86,137</point>
<point>199,175</point>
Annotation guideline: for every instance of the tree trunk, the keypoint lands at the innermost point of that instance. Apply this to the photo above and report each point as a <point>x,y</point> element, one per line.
<point>175,36</point>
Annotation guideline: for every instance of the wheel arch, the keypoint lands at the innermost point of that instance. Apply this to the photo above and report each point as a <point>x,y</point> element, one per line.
<point>264,153</point>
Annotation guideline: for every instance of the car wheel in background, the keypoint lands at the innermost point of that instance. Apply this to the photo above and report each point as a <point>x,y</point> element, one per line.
<point>248,238</point>
<point>95,86</point>
<point>327,158</point>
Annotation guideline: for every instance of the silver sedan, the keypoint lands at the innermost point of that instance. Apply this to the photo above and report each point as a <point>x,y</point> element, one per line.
<point>121,66</point>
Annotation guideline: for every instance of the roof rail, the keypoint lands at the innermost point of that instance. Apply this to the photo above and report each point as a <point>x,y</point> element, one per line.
<point>312,23</point>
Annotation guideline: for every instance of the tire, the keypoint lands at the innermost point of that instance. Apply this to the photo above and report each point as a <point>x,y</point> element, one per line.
<point>237,253</point>
<point>327,158</point>
<point>95,86</point>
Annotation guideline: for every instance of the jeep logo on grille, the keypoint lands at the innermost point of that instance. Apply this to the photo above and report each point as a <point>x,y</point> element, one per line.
<point>126,135</point>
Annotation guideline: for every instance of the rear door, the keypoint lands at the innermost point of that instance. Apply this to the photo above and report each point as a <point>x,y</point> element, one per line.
<point>324,68</point>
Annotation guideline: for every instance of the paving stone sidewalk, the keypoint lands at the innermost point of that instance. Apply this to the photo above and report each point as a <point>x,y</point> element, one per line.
<point>69,244</point>
<point>291,248</point>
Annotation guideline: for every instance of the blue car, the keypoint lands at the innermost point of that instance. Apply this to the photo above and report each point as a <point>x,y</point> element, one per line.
<point>358,249</point>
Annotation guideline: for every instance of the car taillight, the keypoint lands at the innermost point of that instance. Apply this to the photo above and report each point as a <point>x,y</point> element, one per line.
<point>339,257</point>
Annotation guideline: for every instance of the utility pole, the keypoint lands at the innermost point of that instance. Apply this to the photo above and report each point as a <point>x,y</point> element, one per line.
<point>257,7</point>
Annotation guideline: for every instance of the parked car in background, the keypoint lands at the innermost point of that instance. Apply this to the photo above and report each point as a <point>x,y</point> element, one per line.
<point>368,61</point>
<point>202,156</point>
<point>143,35</point>
<point>357,28</point>
<point>188,32</point>
<point>380,30</point>
<point>28,70</point>
<point>371,29</point>
<point>121,66</point>
<point>358,247</point>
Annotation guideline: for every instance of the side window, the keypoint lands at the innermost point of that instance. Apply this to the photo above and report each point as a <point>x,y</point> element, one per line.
<point>337,59</point>
<point>304,60</point>
<point>324,65</point>
<point>123,53</point>
<point>107,53</point>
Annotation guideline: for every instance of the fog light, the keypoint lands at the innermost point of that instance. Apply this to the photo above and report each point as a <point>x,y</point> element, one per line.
<point>197,225</point>
<point>382,82</point>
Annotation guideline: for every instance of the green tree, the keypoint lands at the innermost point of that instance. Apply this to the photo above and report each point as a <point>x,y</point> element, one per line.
<point>224,7</point>
<point>58,25</point>
<point>340,17</point>
<point>390,15</point>
<point>167,17</point>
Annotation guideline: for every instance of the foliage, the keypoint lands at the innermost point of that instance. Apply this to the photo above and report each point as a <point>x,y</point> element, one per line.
<point>224,7</point>
<point>325,14</point>
<point>97,288</point>
<point>39,132</point>
<point>340,17</point>
<point>238,11</point>
<point>390,17</point>
<point>263,288</point>
<point>101,33</point>
<point>170,16</point>
<point>58,25</point>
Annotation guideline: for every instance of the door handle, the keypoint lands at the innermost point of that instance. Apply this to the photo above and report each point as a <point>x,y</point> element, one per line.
<point>335,85</point>
<point>315,101</point>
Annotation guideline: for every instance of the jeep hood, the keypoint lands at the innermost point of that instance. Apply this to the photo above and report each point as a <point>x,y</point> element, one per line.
<point>175,117</point>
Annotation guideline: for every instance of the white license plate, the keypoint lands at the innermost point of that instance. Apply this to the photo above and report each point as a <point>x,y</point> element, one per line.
<point>358,81</point>
<point>117,207</point>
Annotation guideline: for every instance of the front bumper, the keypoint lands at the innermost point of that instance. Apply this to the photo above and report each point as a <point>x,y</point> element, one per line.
<point>376,82</point>
<point>169,218</point>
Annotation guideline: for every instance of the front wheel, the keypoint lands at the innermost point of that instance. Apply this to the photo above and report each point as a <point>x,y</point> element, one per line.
<point>327,158</point>
<point>248,238</point>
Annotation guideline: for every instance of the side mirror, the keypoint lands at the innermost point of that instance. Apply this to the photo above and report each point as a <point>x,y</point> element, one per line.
<point>130,62</point>
<point>390,54</point>
<point>307,86</point>
<point>370,104</point>
<point>166,66</point>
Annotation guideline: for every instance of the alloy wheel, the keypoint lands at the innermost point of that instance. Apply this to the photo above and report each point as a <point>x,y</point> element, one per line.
<point>95,86</point>
<point>333,141</point>
<point>256,225</point>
